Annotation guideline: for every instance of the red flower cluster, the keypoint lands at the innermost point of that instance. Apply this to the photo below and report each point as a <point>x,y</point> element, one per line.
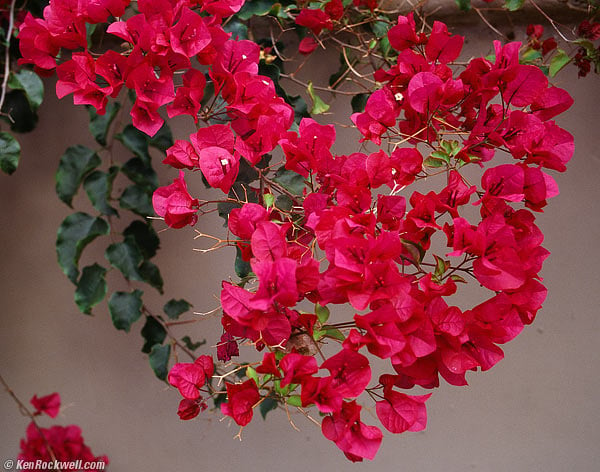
<point>66,442</point>
<point>369,244</point>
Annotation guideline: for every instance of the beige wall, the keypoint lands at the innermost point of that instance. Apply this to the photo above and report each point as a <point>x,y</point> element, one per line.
<point>535,411</point>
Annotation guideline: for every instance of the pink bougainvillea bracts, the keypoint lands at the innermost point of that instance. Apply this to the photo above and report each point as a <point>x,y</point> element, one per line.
<point>354,233</point>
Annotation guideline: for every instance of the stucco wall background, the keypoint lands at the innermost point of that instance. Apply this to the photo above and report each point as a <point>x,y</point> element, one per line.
<point>537,410</point>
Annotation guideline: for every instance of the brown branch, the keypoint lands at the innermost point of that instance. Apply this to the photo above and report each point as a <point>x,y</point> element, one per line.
<point>9,31</point>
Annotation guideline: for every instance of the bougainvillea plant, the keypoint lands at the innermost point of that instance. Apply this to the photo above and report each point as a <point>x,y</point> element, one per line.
<point>313,229</point>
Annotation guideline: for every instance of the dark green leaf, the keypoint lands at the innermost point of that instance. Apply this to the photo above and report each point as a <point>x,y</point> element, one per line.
<point>99,124</point>
<point>138,200</point>
<point>254,7</point>
<point>31,84</point>
<point>175,308</point>
<point>89,33</point>
<point>381,28</point>
<point>10,152</point>
<point>136,141</point>
<point>219,399</point>
<point>192,346</point>
<point>141,173</point>
<point>151,275</point>
<point>75,164</point>
<point>300,107</point>
<point>75,233</point>
<point>267,405</point>
<point>247,173</point>
<point>144,236</point>
<point>163,139</point>
<point>359,102</point>
<point>125,308</point>
<point>18,113</point>
<point>513,5</point>
<point>91,288</point>
<point>98,186</point>
<point>290,180</point>
<point>242,267</point>
<point>159,360</point>
<point>464,5</point>
<point>237,29</point>
<point>283,202</point>
<point>334,79</point>
<point>153,333</point>
<point>126,257</point>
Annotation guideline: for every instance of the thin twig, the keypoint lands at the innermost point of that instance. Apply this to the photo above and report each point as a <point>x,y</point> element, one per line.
<point>9,31</point>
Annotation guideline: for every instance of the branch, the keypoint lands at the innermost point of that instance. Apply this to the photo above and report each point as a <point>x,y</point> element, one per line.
<point>9,31</point>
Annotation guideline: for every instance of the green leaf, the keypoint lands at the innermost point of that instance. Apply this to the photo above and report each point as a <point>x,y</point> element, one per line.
<point>125,308</point>
<point>136,141</point>
<point>192,346</point>
<point>268,200</point>
<point>175,308</point>
<point>237,29</point>
<point>254,8</point>
<point>558,61</point>
<point>464,5</point>
<point>359,102</point>
<point>125,257</point>
<point>163,139</point>
<point>144,236</point>
<point>74,234</point>
<point>10,152</point>
<point>322,313</point>
<point>98,186</point>
<point>151,275</point>
<point>91,288</point>
<point>153,333</point>
<point>99,124</point>
<point>335,334</point>
<point>319,106</point>
<point>294,400</point>
<point>268,404</point>
<point>75,164</point>
<point>513,5</point>
<point>458,278</point>
<point>441,266</point>
<point>141,173</point>
<point>31,84</point>
<point>138,200</point>
<point>290,180</point>
<point>531,55</point>
<point>242,267</point>
<point>252,374</point>
<point>159,360</point>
